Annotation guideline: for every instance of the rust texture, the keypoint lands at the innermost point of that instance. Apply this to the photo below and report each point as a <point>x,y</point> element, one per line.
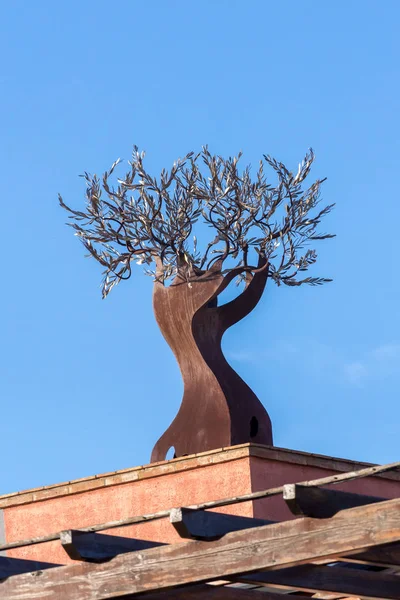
<point>218,408</point>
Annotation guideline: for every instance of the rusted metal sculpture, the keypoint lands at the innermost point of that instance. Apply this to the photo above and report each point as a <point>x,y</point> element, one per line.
<point>218,408</point>
<point>145,220</point>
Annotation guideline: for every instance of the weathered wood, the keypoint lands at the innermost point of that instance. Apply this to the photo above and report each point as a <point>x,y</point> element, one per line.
<point>384,556</point>
<point>321,503</point>
<point>96,547</point>
<point>206,525</point>
<point>328,596</point>
<point>15,566</point>
<point>313,578</point>
<point>332,479</point>
<point>211,592</point>
<point>272,546</point>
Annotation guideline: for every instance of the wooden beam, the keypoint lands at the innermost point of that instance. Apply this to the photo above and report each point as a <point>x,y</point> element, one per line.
<point>211,592</point>
<point>16,566</point>
<point>321,503</point>
<point>97,547</point>
<point>341,580</point>
<point>271,546</point>
<point>384,556</point>
<point>324,596</point>
<point>206,525</point>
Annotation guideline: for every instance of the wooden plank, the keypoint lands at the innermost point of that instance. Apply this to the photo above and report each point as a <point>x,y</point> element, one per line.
<point>341,580</point>
<point>321,503</point>
<point>269,547</point>
<point>206,525</point>
<point>96,547</point>
<point>15,566</point>
<point>324,596</point>
<point>384,556</point>
<point>211,592</point>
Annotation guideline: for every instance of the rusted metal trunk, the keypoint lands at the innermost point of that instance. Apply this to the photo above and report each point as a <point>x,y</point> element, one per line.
<point>218,408</point>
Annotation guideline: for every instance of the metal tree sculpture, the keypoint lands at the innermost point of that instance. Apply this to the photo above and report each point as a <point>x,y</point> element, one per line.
<point>260,230</point>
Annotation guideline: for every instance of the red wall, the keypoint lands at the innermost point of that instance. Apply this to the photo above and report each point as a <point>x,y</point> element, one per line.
<point>181,482</point>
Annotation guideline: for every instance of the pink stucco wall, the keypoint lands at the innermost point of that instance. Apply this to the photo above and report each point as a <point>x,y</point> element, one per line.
<point>271,473</point>
<point>117,502</point>
<point>182,482</point>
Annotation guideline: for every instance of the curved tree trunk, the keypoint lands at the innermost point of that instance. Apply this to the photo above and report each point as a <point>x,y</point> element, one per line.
<point>218,408</point>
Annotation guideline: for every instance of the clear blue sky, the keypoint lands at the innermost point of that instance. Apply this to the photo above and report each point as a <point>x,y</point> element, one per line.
<point>87,385</point>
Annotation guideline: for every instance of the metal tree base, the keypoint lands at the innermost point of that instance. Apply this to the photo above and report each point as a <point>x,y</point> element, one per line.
<point>218,408</point>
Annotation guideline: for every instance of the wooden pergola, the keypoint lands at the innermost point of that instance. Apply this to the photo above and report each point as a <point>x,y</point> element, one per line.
<point>341,545</point>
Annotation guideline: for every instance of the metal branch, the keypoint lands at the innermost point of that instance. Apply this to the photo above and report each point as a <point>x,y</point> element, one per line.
<point>159,218</point>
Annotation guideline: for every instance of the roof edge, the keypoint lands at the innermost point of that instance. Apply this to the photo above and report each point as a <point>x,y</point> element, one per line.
<point>184,463</point>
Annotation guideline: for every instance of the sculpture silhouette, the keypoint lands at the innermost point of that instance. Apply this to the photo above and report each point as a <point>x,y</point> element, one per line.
<point>148,221</point>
